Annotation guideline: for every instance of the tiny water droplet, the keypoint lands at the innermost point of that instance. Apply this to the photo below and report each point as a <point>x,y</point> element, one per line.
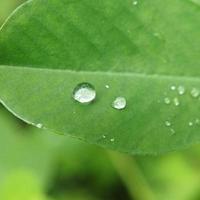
<point>190,123</point>
<point>173,87</point>
<point>39,125</point>
<point>181,90</point>
<point>112,140</point>
<point>135,3</point>
<point>167,100</point>
<point>84,93</point>
<point>119,103</point>
<point>197,121</point>
<point>176,102</point>
<point>172,131</point>
<point>195,92</point>
<point>103,136</point>
<point>107,86</point>
<point>168,123</point>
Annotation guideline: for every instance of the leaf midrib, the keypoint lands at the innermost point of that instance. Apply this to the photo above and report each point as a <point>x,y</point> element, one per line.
<point>108,73</point>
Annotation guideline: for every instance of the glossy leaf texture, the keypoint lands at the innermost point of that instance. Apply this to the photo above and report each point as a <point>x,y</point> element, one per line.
<point>145,51</point>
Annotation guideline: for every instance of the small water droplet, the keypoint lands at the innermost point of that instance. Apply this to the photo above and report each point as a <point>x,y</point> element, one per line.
<point>103,136</point>
<point>112,140</point>
<point>107,86</point>
<point>190,123</point>
<point>195,92</point>
<point>181,90</point>
<point>168,123</point>
<point>197,121</point>
<point>176,102</point>
<point>135,3</point>
<point>172,131</point>
<point>39,125</point>
<point>173,87</point>
<point>167,100</point>
<point>84,93</point>
<point>119,103</point>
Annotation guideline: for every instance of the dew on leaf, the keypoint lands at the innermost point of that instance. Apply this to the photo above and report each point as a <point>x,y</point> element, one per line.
<point>173,87</point>
<point>172,131</point>
<point>112,140</point>
<point>107,86</point>
<point>167,100</point>
<point>39,125</point>
<point>190,123</point>
<point>168,123</point>
<point>84,93</point>
<point>119,103</point>
<point>135,3</point>
<point>197,121</point>
<point>195,93</point>
<point>176,101</point>
<point>103,136</point>
<point>181,90</point>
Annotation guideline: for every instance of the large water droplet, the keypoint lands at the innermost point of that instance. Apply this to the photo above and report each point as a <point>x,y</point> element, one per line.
<point>84,93</point>
<point>119,103</point>
<point>195,92</point>
<point>181,90</point>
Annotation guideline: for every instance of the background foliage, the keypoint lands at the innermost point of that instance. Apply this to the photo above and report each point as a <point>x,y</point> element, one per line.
<point>38,166</point>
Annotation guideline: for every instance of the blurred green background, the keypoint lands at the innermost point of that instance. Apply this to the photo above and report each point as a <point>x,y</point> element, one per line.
<point>38,165</point>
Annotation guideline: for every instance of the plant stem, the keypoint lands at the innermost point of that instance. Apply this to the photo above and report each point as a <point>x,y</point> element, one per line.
<point>132,176</point>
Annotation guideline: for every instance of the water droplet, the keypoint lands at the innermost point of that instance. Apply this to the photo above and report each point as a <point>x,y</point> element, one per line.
<point>167,100</point>
<point>135,3</point>
<point>39,125</point>
<point>172,131</point>
<point>107,86</point>
<point>190,123</point>
<point>181,90</point>
<point>176,102</point>
<point>84,93</point>
<point>197,121</point>
<point>195,92</point>
<point>173,87</point>
<point>119,103</point>
<point>112,140</point>
<point>103,136</point>
<point>168,123</point>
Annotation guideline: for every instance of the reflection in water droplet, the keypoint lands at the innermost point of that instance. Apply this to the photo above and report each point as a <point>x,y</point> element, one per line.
<point>112,140</point>
<point>176,102</point>
<point>119,103</point>
<point>84,93</point>
<point>167,100</point>
<point>181,90</point>
<point>173,87</point>
<point>168,123</point>
<point>107,86</point>
<point>195,92</point>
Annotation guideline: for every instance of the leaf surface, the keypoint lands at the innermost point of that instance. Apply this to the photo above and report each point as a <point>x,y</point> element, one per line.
<point>141,50</point>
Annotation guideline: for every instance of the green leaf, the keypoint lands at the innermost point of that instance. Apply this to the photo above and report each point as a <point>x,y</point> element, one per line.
<point>140,50</point>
